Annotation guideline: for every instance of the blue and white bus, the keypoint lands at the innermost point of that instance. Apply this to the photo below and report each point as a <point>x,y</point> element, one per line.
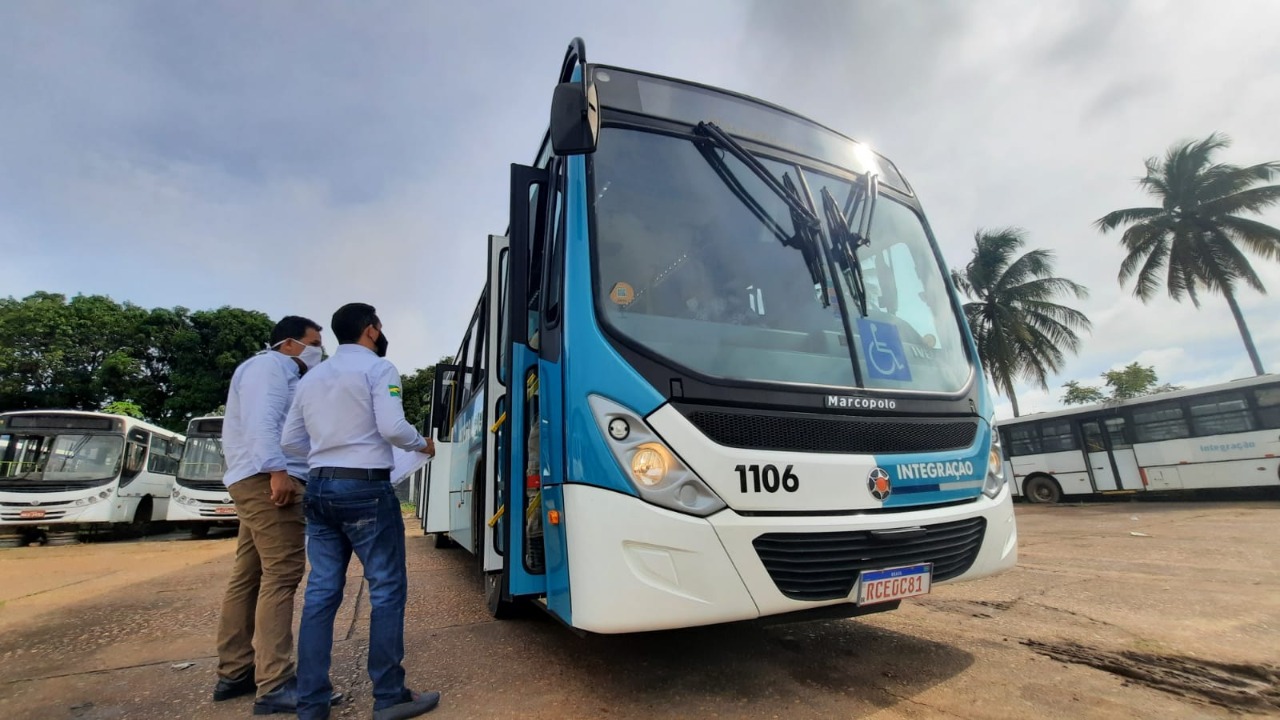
<point>717,372</point>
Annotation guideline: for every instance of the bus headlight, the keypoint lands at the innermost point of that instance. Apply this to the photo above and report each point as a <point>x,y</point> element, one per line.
<point>649,464</point>
<point>658,475</point>
<point>995,468</point>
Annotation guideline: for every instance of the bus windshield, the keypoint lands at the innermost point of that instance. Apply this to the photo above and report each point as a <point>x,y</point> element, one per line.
<point>693,262</point>
<point>202,459</point>
<point>60,457</point>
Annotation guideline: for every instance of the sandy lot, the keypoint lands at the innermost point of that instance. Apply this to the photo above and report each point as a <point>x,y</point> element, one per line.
<point>1117,609</point>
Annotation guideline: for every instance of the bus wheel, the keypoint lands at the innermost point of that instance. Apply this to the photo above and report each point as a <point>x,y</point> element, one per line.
<point>1041,489</point>
<point>443,541</point>
<point>142,517</point>
<point>499,607</point>
<point>201,531</point>
<point>62,537</point>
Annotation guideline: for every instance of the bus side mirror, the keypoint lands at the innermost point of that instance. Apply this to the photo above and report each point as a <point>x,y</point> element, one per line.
<point>575,119</point>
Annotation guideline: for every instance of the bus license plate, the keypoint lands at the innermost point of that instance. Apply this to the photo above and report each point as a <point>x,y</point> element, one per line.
<point>877,586</point>
<point>225,510</point>
<point>31,514</point>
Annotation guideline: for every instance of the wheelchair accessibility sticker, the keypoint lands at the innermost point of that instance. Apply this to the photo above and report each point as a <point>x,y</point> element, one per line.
<point>882,350</point>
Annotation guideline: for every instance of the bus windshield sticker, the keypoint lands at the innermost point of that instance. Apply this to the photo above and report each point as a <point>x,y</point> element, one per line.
<point>882,350</point>
<point>622,294</point>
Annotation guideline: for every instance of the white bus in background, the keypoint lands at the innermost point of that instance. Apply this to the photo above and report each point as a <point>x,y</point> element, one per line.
<point>1220,436</point>
<point>68,470</point>
<point>200,498</point>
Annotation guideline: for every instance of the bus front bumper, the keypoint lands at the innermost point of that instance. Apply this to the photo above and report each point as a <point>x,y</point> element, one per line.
<point>637,567</point>
<point>201,510</point>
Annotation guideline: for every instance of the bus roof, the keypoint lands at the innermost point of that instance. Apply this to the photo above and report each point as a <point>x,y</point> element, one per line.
<point>1143,400</point>
<point>128,421</point>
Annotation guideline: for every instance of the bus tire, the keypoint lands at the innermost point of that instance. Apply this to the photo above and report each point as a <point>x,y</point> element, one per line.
<point>142,517</point>
<point>1042,489</point>
<point>500,607</point>
<point>444,542</point>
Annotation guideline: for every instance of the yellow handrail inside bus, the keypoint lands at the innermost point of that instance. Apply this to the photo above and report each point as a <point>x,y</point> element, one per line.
<point>497,516</point>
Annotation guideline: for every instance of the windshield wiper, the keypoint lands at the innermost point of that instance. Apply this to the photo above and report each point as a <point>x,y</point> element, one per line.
<point>808,226</point>
<point>862,201</point>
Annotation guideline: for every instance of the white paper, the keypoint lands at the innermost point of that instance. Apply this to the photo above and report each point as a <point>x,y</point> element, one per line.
<point>407,463</point>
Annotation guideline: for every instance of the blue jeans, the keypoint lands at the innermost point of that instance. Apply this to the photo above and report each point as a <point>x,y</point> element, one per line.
<point>345,516</point>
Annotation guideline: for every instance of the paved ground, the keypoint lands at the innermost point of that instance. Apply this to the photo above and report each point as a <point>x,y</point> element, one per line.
<point>1129,609</point>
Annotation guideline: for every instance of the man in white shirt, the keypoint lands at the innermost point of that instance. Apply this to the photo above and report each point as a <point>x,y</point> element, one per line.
<point>266,484</point>
<point>346,417</point>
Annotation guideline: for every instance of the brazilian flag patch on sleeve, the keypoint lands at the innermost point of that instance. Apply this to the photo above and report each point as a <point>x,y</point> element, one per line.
<point>393,390</point>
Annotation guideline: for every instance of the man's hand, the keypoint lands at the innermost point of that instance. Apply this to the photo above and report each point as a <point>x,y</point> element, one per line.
<point>429,449</point>
<point>283,488</point>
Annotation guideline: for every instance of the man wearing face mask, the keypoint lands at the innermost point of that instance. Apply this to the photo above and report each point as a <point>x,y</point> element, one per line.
<point>255,633</point>
<point>347,416</point>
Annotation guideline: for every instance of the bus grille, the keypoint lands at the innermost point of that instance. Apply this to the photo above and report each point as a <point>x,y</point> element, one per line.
<point>825,566</point>
<point>832,434</point>
<point>215,485</point>
<point>40,486</point>
<point>16,516</point>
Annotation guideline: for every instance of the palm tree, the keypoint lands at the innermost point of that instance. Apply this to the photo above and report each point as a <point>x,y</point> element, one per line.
<point>1196,237</point>
<point>1020,331</point>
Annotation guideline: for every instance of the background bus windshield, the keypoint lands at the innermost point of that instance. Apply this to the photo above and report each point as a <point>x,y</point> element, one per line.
<point>60,457</point>
<point>685,269</point>
<point>202,459</point>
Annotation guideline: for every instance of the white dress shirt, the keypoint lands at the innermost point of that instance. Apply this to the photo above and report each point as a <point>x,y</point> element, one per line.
<point>257,404</point>
<point>348,413</point>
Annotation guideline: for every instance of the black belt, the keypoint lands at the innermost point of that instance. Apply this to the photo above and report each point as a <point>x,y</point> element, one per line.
<point>341,473</point>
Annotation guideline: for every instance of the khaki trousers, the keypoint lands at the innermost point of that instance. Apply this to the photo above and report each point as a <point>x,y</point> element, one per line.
<point>256,629</point>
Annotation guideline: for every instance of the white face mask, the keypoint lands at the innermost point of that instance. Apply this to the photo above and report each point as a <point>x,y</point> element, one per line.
<point>311,356</point>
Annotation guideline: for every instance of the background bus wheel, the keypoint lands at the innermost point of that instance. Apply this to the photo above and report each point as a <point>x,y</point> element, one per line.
<point>13,540</point>
<point>62,537</point>
<point>200,531</point>
<point>141,518</point>
<point>444,542</point>
<point>1041,489</point>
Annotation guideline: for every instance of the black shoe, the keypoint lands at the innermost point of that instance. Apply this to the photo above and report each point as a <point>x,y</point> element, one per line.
<point>227,689</point>
<point>284,699</point>
<point>413,705</point>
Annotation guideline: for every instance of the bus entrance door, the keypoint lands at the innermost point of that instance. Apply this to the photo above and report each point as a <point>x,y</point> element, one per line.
<point>1112,462</point>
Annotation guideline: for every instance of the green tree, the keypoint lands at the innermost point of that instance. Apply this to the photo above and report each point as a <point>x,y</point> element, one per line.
<point>74,354</point>
<point>416,392</point>
<point>1131,381</point>
<point>90,351</point>
<point>1077,394</point>
<point>1020,330</point>
<point>1197,236</point>
<point>205,355</point>
<point>124,407</point>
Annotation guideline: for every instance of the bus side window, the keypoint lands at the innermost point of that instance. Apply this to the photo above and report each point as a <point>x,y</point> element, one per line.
<point>537,250</point>
<point>135,455</point>
<point>162,459</point>
<point>553,277</point>
<point>1268,401</point>
<point>1093,438</point>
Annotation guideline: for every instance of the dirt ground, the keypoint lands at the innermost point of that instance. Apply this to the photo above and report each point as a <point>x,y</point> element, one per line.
<point>1116,610</point>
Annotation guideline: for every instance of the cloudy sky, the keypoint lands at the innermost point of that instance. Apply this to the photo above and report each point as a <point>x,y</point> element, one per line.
<point>293,156</point>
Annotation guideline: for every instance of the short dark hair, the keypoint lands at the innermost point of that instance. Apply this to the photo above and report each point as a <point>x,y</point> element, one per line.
<point>292,327</point>
<point>350,321</point>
